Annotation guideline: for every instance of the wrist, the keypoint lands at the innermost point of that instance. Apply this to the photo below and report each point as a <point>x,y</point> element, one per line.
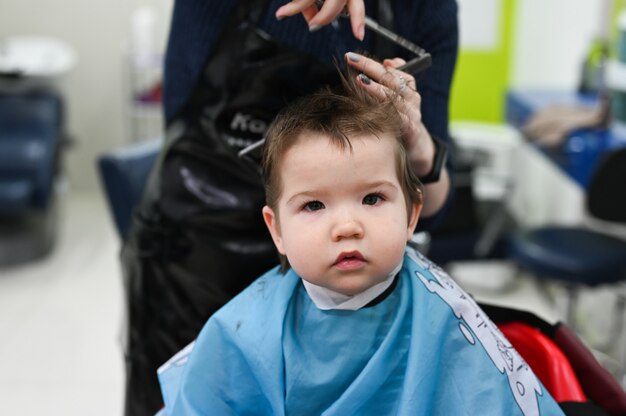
<point>422,154</point>
<point>431,161</point>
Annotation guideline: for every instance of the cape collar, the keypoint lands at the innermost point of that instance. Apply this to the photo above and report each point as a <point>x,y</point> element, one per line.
<point>326,299</point>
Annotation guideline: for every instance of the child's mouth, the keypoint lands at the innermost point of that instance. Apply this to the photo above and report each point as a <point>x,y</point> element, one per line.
<point>351,260</point>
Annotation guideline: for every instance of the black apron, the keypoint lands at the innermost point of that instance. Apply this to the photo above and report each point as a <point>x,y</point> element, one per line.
<point>198,237</point>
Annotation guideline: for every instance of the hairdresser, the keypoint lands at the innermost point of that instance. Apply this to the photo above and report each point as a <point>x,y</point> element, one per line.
<point>198,237</point>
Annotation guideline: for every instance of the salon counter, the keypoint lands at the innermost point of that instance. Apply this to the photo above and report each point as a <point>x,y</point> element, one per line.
<point>583,149</point>
<point>549,183</point>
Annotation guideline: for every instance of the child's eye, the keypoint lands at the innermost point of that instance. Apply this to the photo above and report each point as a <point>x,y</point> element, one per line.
<point>313,206</point>
<point>373,199</point>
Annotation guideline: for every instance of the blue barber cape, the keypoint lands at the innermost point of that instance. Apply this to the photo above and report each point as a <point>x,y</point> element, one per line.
<point>427,349</point>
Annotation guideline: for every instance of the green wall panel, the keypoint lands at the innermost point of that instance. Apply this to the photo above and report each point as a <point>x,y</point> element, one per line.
<point>482,77</point>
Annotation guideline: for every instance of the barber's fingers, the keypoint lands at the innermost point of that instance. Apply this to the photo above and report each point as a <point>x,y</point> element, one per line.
<point>330,10</point>
<point>395,63</point>
<point>384,74</point>
<point>309,13</point>
<point>306,7</point>
<point>382,80</point>
<point>409,106</point>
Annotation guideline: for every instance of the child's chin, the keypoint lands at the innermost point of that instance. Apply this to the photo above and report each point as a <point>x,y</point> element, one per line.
<point>354,288</point>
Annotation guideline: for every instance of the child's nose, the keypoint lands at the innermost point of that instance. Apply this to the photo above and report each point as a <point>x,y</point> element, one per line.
<point>347,227</point>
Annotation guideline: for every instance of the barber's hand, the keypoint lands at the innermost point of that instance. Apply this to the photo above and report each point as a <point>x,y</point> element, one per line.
<point>329,12</point>
<point>379,79</point>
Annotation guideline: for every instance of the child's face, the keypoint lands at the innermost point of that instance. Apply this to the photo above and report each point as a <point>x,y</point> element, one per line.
<point>342,220</point>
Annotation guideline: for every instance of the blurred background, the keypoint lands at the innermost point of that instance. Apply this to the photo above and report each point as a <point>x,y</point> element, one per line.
<point>92,75</point>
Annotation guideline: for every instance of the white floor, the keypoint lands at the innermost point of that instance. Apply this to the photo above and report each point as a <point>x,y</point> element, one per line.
<point>61,318</point>
<point>60,322</point>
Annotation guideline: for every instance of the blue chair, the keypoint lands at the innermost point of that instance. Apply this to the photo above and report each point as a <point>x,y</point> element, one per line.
<point>580,257</point>
<point>31,136</point>
<point>31,141</point>
<point>124,173</point>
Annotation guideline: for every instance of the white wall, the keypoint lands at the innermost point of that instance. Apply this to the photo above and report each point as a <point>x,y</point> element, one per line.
<point>95,100</point>
<point>551,39</point>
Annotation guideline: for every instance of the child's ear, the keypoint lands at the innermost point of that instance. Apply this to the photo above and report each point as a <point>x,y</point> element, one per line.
<point>416,208</point>
<point>271,220</point>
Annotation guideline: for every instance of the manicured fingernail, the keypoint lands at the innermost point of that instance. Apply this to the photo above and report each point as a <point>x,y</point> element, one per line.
<point>353,57</point>
<point>314,28</point>
<point>279,17</point>
<point>365,79</point>
<point>361,32</point>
